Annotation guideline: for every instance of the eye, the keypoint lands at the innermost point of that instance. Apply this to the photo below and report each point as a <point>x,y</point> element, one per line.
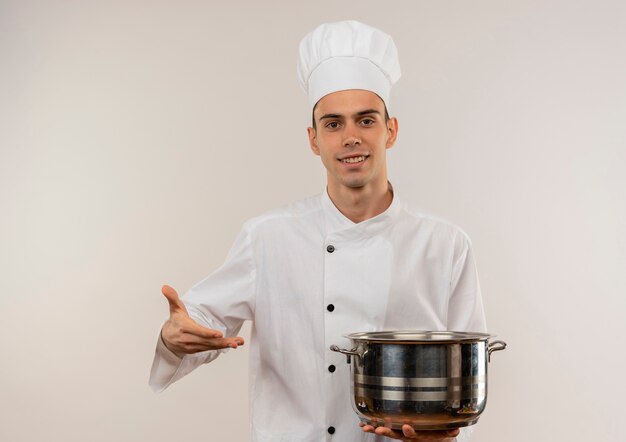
<point>367,121</point>
<point>332,124</point>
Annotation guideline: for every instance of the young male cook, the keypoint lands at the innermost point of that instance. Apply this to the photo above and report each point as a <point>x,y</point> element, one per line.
<point>354,258</point>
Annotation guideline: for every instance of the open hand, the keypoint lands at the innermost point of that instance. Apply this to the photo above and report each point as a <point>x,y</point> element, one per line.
<point>408,434</point>
<point>182,335</point>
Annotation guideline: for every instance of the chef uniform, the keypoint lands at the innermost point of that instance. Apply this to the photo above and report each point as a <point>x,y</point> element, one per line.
<point>305,275</point>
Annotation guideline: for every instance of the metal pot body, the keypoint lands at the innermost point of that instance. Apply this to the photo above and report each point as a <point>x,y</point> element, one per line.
<point>430,380</point>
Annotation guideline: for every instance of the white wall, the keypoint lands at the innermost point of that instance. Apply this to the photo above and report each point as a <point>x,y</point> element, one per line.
<point>136,137</point>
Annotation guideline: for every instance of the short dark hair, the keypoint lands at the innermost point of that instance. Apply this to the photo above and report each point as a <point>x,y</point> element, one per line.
<point>315,107</point>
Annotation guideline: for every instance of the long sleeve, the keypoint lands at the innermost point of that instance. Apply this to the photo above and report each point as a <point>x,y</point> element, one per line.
<point>222,301</point>
<point>465,307</point>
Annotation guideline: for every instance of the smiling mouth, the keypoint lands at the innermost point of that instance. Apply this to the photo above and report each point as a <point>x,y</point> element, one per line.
<point>353,160</point>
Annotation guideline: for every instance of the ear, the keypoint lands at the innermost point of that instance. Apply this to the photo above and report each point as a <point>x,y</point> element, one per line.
<point>313,140</point>
<point>392,132</point>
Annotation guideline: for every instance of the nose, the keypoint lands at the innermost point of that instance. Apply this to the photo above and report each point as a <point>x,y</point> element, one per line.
<point>352,139</point>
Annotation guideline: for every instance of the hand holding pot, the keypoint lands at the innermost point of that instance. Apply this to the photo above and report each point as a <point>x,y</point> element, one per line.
<point>182,335</point>
<point>409,434</point>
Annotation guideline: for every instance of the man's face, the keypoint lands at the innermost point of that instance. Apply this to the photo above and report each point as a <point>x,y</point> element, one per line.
<point>352,137</point>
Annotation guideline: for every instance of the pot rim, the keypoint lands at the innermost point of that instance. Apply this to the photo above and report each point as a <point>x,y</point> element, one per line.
<point>419,336</point>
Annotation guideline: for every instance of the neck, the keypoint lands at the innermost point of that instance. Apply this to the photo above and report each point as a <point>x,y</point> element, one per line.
<point>361,203</point>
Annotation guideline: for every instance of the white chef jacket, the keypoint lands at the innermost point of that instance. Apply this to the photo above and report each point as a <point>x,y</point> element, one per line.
<point>401,270</point>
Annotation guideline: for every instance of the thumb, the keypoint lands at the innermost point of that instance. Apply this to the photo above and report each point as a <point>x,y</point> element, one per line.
<point>176,305</point>
<point>453,433</point>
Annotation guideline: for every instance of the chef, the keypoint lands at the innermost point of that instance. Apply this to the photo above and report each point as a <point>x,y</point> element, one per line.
<point>354,258</point>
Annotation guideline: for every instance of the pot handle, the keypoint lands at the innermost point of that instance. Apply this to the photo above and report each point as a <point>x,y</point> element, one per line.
<point>495,346</point>
<point>348,353</point>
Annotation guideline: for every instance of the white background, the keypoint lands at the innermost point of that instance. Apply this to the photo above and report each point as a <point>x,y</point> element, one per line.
<point>137,136</point>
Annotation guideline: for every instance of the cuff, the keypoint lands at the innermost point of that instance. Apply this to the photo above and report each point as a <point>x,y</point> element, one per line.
<point>164,367</point>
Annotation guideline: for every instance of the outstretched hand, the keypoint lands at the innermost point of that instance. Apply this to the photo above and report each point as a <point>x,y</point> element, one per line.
<point>409,434</point>
<point>182,335</point>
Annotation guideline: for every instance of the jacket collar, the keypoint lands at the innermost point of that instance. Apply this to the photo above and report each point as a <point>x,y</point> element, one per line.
<point>337,222</point>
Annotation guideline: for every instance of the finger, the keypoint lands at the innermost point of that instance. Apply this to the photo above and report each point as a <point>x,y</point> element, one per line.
<point>367,428</point>
<point>239,340</point>
<point>235,342</point>
<point>189,341</point>
<point>229,342</point>
<point>388,432</point>
<point>194,348</point>
<point>198,330</point>
<point>453,433</point>
<point>214,344</point>
<point>398,434</point>
<point>176,305</point>
<point>408,431</point>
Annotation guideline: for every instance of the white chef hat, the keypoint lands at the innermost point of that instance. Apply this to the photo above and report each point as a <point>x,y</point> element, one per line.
<point>347,55</point>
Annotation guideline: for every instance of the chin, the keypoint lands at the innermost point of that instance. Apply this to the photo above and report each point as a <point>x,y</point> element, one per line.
<point>355,184</point>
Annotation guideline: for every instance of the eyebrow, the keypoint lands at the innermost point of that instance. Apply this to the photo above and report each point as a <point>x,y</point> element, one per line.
<point>358,114</point>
